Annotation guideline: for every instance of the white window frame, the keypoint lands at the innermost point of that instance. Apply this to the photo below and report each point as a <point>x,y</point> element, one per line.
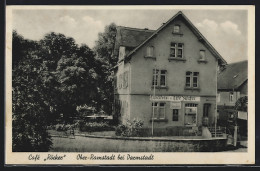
<point>156,74</point>
<point>176,48</point>
<point>173,46</point>
<point>156,109</point>
<point>180,48</point>
<point>191,76</point>
<point>157,77</point>
<point>195,76</point>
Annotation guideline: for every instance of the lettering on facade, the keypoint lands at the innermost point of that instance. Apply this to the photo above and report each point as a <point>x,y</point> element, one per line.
<point>175,98</point>
<point>175,105</point>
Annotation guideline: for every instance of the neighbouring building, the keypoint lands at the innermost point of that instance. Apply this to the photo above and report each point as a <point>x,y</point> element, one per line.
<point>168,75</point>
<point>232,84</point>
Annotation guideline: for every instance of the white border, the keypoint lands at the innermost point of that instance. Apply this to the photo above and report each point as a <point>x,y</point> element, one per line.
<point>160,158</point>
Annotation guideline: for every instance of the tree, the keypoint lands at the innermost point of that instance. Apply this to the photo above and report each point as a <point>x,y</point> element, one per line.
<point>241,104</point>
<point>29,102</point>
<point>104,55</point>
<point>77,79</point>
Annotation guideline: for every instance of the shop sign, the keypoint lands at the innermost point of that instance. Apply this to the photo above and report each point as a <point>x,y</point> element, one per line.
<point>175,105</point>
<point>175,98</point>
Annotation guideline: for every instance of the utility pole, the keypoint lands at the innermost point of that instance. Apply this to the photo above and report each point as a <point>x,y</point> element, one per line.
<point>154,81</point>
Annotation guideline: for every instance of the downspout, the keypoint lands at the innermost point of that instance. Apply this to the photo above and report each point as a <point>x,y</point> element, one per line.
<point>216,99</point>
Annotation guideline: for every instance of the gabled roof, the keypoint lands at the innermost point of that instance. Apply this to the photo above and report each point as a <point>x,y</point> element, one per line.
<point>233,76</point>
<point>194,30</point>
<point>130,37</point>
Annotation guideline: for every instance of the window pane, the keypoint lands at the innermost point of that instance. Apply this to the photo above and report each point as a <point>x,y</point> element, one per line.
<point>195,82</point>
<point>172,52</point>
<point>173,45</point>
<point>162,104</point>
<point>187,81</point>
<point>180,45</point>
<point>195,73</point>
<point>180,53</point>
<point>162,81</point>
<point>163,71</point>
<point>188,73</point>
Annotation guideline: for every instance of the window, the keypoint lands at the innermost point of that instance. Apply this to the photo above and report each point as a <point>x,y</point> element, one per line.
<point>180,50</point>
<point>159,78</point>
<point>158,110</point>
<point>195,79</point>
<point>176,28</point>
<point>150,51</point>
<point>202,55</point>
<point>175,113</point>
<point>173,50</point>
<point>176,50</point>
<point>192,79</point>
<point>231,96</point>
<point>206,108</point>
<point>190,118</point>
<point>155,77</point>
<point>163,78</point>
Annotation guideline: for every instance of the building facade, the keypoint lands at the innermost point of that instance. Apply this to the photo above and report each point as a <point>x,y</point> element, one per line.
<point>232,85</point>
<point>165,77</point>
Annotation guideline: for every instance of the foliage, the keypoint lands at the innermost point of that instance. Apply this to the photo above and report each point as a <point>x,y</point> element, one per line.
<point>29,102</point>
<point>105,60</point>
<point>94,126</point>
<point>52,77</point>
<point>131,128</point>
<point>241,104</point>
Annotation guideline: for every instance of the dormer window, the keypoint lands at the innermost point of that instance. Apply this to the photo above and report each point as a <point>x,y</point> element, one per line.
<point>176,29</point>
<point>150,51</point>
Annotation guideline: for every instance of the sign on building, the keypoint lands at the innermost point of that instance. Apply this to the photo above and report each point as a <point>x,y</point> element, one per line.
<point>175,105</point>
<point>175,98</point>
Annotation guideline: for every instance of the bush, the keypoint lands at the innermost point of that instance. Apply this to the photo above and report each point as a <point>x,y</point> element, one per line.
<point>132,128</point>
<point>120,130</point>
<point>94,126</point>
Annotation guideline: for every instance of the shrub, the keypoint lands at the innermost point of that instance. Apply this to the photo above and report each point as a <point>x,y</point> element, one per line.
<point>132,128</point>
<point>94,126</point>
<point>120,129</point>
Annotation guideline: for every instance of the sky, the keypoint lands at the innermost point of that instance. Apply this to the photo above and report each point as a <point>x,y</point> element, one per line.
<point>226,30</point>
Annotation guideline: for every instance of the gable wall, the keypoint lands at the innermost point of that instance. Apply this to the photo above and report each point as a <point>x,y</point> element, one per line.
<point>142,68</point>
